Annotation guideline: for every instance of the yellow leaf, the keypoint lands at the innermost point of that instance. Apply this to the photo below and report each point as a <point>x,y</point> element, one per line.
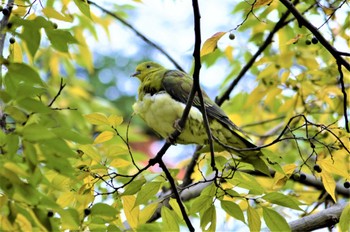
<point>115,120</point>
<point>337,166</point>
<point>228,53</point>
<point>90,152</point>
<point>328,183</point>
<point>259,3</point>
<point>52,13</point>
<point>23,222</point>
<point>16,53</point>
<point>118,163</point>
<point>147,212</point>
<point>97,119</point>
<point>211,44</point>
<point>131,213</point>
<point>295,39</point>
<point>66,199</point>
<point>175,206</point>
<point>254,221</point>
<point>104,136</point>
<point>281,178</point>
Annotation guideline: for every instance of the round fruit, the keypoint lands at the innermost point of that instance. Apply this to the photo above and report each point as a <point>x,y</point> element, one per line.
<point>50,214</point>
<point>231,36</point>
<point>12,40</point>
<point>55,26</point>
<point>314,40</point>
<point>317,168</point>
<point>5,11</point>
<point>87,212</point>
<point>308,42</point>
<point>347,184</point>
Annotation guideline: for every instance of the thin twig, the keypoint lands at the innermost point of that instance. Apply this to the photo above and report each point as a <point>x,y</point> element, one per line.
<point>62,85</point>
<point>345,100</point>
<point>3,24</point>
<point>279,25</point>
<point>143,37</point>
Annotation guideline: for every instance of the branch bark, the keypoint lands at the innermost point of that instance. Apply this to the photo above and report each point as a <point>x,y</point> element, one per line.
<point>325,218</point>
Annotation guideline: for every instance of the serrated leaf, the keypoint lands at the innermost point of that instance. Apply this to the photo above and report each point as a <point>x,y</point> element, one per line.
<point>103,137</point>
<point>115,120</point>
<point>233,210</point>
<point>329,184</point>
<point>131,212</point>
<point>170,222</point>
<point>281,199</point>
<point>254,221</point>
<point>97,119</point>
<point>208,219</point>
<point>211,44</point>
<point>147,191</point>
<point>274,220</point>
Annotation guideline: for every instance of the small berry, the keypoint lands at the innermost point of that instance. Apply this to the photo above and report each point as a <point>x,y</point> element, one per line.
<point>314,40</point>
<point>308,42</point>
<point>50,214</point>
<point>5,11</point>
<point>296,176</point>
<point>302,177</point>
<point>9,25</point>
<point>231,36</point>
<point>347,184</point>
<point>12,40</point>
<point>87,212</point>
<point>55,26</point>
<point>317,168</point>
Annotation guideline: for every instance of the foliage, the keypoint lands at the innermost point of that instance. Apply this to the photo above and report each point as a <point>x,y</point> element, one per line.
<point>69,160</point>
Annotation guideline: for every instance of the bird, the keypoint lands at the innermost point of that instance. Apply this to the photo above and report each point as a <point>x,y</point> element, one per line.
<point>162,98</point>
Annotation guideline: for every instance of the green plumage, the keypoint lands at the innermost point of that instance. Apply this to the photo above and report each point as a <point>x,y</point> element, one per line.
<point>162,97</point>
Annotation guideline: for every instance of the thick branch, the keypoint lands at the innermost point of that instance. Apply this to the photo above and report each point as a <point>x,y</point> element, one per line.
<point>325,218</point>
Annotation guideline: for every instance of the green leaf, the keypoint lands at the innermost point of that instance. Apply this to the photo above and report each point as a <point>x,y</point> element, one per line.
<point>20,72</point>
<point>344,221</point>
<point>84,7</point>
<point>147,191</point>
<point>133,187</point>
<point>34,106</point>
<point>70,219</point>
<point>68,134</point>
<point>274,220</point>
<point>283,200</point>
<point>233,210</point>
<point>247,181</point>
<point>37,132</point>
<point>60,39</point>
<point>201,203</point>
<point>208,219</point>
<point>254,222</point>
<point>104,210</point>
<point>170,222</point>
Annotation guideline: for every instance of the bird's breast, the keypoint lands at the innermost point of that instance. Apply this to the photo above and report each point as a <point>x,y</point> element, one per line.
<point>160,111</point>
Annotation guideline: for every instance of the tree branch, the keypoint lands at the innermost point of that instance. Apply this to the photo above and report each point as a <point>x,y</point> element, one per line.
<point>250,63</point>
<point>138,33</point>
<point>325,218</point>
<point>3,24</point>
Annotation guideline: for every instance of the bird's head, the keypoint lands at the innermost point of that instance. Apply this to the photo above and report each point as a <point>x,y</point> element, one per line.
<point>145,68</point>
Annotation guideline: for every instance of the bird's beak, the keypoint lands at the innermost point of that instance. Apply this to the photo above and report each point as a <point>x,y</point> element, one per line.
<point>136,73</point>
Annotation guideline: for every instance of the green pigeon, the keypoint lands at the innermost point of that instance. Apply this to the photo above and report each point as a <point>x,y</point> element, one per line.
<point>162,98</point>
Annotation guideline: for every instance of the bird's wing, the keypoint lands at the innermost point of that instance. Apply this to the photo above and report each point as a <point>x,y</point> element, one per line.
<point>179,84</point>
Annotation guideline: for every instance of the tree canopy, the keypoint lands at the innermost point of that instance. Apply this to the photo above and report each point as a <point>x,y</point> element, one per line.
<point>74,157</point>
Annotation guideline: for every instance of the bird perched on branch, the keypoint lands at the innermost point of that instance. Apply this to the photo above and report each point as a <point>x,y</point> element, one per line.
<point>162,98</point>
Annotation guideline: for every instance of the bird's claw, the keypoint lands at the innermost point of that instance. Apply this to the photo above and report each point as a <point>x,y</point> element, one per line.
<point>177,126</point>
